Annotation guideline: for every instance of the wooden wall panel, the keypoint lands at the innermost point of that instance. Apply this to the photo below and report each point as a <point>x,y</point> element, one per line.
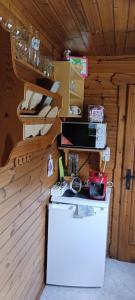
<point>121,13</point>
<point>90,27</point>
<point>24,192</point>
<point>99,90</point>
<point>107,85</point>
<point>24,196</point>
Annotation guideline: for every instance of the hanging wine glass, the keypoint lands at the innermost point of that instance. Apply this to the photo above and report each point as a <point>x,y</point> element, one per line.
<point>8,25</point>
<point>17,32</point>
<point>50,69</point>
<point>45,65</point>
<point>21,49</point>
<point>41,62</point>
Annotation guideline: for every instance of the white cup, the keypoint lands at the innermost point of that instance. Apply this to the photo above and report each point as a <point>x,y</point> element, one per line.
<point>74,110</point>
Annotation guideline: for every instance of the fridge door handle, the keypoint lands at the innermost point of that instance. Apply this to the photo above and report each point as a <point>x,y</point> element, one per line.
<point>65,207</point>
<point>86,211</point>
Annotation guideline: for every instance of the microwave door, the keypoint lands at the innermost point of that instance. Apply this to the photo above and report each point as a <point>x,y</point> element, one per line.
<point>92,135</point>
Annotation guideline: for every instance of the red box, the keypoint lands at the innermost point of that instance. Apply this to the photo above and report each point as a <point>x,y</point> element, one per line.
<point>97,185</point>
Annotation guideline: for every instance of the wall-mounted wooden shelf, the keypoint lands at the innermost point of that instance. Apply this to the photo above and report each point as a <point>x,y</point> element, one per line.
<point>74,94</point>
<point>18,80</point>
<point>74,116</point>
<point>24,68</point>
<point>80,149</point>
<point>37,120</point>
<point>73,149</point>
<point>75,73</point>
<point>71,88</point>
<point>27,111</point>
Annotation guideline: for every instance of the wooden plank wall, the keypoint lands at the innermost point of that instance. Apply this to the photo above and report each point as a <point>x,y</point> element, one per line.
<point>99,90</point>
<point>24,195</point>
<point>107,84</point>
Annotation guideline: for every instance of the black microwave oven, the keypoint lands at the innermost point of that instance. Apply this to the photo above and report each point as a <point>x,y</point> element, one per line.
<point>83,135</point>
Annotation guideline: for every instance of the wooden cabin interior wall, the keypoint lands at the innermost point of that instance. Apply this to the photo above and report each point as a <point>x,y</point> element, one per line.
<point>24,192</point>
<point>24,195</point>
<point>108,84</point>
<point>99,90</point>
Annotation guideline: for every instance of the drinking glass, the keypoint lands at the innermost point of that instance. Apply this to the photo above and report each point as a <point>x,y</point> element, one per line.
<point>17,32</point>
<point>41,62</point>
<point>47,66</point>
<point>21,49</point>
<point>8,24</point>
<point>50,69</point>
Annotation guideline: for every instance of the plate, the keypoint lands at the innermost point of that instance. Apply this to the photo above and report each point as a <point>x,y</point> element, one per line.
<point>55,87</point>
<point>35,100</point>
<point>25,103</point>
<point>43,112</point>
<point>53,112</point>
<point>45,129</point>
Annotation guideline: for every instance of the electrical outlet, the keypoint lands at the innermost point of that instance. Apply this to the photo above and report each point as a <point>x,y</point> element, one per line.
<point>106,154</point>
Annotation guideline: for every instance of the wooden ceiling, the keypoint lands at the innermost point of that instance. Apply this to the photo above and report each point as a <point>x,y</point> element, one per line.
<point>91,27</point>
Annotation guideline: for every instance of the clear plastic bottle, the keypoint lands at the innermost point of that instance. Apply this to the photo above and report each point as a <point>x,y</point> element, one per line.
<point>50,166</point>
<point>35,48</point>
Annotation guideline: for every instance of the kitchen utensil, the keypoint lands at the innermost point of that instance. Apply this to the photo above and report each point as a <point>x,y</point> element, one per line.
<point>73,159</point>
<point>61,169</point>
<point>74,109</point>
<point>75,185</point>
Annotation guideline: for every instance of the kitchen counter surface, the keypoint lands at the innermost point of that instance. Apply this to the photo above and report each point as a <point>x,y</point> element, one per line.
<point>82,198</point>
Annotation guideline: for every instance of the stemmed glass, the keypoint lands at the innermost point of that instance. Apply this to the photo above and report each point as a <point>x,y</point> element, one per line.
<point>27,43</point>
<point>21,49</point>
<point>7,24</point>
<point>47,66</point>
<point>17,32</point>
<point>20,35</point>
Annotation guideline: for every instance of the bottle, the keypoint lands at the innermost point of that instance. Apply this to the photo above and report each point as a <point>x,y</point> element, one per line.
<point>35,47</point>
<point>67,54</point>
<point>50,166</point>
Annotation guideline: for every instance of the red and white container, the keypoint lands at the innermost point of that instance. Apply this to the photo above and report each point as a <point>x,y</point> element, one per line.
<point>97,185</point>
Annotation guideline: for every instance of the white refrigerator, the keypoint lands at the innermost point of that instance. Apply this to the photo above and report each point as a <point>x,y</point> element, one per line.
<point>77,238</point>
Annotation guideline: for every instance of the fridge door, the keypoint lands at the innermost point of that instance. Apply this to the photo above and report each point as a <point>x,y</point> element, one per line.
<point>76,245</point>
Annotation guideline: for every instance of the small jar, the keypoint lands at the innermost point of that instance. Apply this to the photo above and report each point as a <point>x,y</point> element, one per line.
<point>67,54</point>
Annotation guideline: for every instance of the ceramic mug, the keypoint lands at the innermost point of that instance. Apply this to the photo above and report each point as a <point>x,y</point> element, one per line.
<point>75,110</point>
